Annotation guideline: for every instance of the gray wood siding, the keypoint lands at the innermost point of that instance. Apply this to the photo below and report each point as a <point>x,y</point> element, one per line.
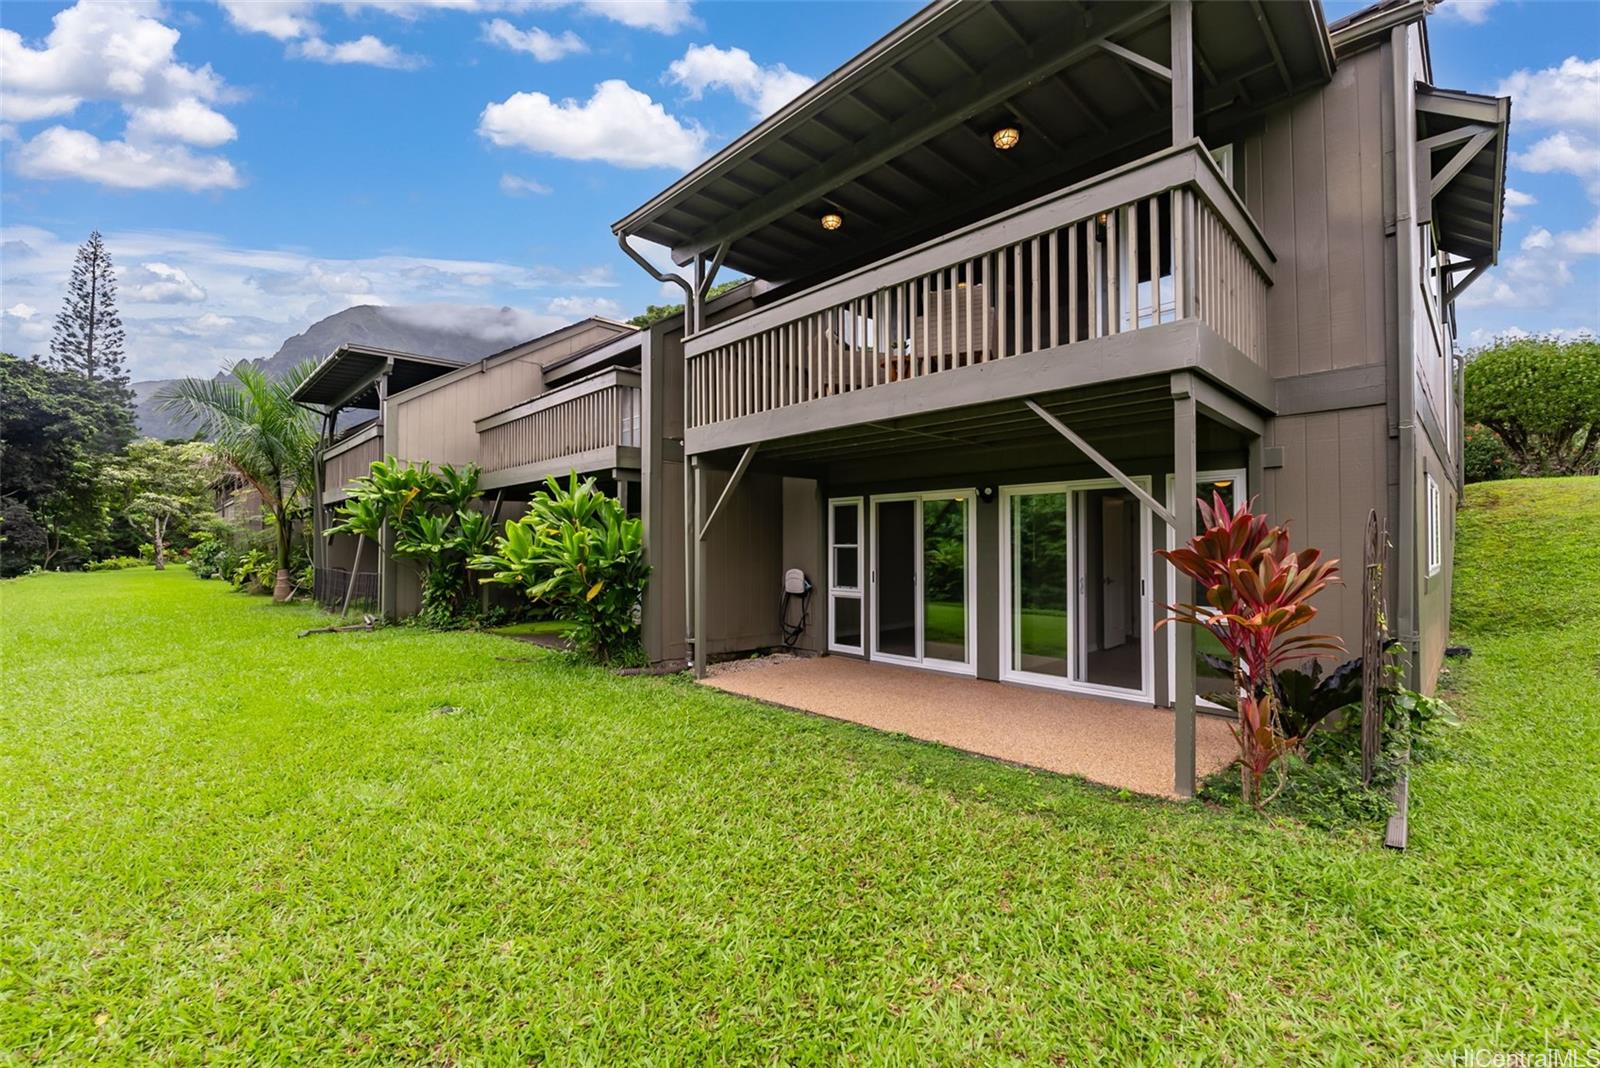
<point>436,425</point>
<point>345,467</point>
<point>1333,473</point>
<point>1313,175</point>
<point>1433,602</point>
<point>803,536</point>
<point>745,563</point>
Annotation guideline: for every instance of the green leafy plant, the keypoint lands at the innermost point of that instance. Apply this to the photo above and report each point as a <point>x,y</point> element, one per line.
<point>578,552</point>
<point>1484,457</point>
<point>1541,395</point>
<point>115,563</point>
<point>1258,592</point>
<point>434,528</point>
<point>267,439</point>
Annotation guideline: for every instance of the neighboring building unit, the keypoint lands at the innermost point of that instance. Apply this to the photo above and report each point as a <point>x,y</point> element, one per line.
<point>1034,276</point>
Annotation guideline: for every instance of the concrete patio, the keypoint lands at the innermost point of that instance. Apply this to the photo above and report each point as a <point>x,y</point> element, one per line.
<point>1107,742</point>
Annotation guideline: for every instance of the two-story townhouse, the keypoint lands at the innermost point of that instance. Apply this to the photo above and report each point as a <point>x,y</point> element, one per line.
<point>1036,275</point>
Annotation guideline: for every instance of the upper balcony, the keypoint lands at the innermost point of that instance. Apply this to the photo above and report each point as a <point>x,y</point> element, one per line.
<point>348,459</point>
<point>1150,267</point>
<point>591,425</point>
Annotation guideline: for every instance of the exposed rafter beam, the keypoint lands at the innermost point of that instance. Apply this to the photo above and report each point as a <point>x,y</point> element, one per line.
<point>1272,45</point>
<point>958,103</point>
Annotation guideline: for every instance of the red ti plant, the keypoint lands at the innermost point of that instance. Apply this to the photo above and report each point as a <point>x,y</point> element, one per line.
<point>1257,591</point>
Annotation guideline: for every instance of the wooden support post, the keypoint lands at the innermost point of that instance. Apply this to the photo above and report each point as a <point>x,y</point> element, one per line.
<point>355,569</point>
<point>698,593</point>
<point>1182,72</point>
<point>1183,511</point>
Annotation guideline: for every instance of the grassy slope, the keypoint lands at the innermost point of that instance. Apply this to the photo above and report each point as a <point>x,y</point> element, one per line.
<point>224,843</point>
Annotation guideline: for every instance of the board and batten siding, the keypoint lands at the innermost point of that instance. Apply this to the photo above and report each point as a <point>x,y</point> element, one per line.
<point>1314,175</point>
<point>1333,474</point>
<point>437,424</point>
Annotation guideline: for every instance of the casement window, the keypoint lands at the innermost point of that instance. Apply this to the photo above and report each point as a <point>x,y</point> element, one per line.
<point>1223,155</point>
<point>1435,527</point>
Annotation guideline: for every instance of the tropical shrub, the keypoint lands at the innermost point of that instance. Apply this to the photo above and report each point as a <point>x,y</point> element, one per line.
<point>577,552</point>
<point>434,528</point>
<point>1484,456</point>
<point>208,557</point>
<point>1258,592</point>
<point>115,563</point>
<point>1541,395</point>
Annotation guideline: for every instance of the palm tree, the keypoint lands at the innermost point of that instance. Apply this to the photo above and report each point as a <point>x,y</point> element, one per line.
<point>261,433</point>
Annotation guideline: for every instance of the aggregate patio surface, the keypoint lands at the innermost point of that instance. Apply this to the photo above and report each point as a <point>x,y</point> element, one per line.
<point>1113,743</point>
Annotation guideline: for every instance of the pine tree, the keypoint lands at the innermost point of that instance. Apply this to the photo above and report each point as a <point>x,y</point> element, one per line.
<point>88,336</point>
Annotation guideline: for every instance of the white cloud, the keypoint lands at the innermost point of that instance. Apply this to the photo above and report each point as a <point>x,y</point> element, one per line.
<point>545,47</point>
<point>1538,238</point>
<point>583,307</point>
<point>1564,152</point>
<point>122,53</point>
<point>513,186</point>
<point>1515,201</point>
<point>1563,96</point>
<point>1534,278</point>
<point>255,298</point>
<point>1585,242</point>
<point>160,283</point>
<point>187,120</point>
<point>662,16</point>
<point>284,20</point>
<point>1473,11</point>
<point>617,125</point>
<point>22,311</point>
<point>365,49</point>
<point>62,153</point>
<point>763,89</point>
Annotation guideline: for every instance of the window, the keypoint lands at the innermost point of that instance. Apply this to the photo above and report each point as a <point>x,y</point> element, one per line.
<point>844,574</point>
<point>1224,160</point>
<point>1435,532</point>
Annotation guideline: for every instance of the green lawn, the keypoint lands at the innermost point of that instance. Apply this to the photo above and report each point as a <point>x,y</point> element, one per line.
<point>224,844</point>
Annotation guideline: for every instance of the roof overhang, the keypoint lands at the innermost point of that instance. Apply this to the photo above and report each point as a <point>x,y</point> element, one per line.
<point>898,139</point>
<point>1461,139</point>
<point>347,377</point>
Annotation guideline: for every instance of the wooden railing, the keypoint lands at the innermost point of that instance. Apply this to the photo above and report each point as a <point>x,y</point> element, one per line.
<point>1156,241</point>
<point>601,411</point>
<point>346,461</point>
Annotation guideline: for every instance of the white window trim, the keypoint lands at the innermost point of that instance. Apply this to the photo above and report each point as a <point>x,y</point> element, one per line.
<point>1241,492</point>
<point>968,667</point>
<point>1435,525</point>
<point>834,590</point>
<point>1146,690</point>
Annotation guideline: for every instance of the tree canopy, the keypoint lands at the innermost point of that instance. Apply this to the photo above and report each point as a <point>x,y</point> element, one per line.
<point>654,313</point>
<point>1541,396</point>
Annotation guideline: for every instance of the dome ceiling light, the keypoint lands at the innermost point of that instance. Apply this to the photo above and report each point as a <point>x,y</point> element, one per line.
<point>1007,137</point>
<point>832,220</point>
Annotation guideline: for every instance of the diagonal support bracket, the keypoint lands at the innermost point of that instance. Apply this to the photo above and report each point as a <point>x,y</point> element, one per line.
<point>1106,465</point>
<point>1443,176</point>
<point>727,491</point>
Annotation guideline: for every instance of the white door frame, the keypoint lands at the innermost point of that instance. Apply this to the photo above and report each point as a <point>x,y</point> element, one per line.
<point>1071,682</point>
<point>1240,484</point>
<point>858,591</point>
<point>970,666</point>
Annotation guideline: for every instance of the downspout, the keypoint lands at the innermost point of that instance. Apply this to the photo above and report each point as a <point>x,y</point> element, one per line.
<point>1405,192</point>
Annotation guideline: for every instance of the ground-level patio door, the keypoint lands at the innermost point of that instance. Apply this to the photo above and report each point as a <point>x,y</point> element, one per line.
<point>922,580</point>
<point>1075,605</point>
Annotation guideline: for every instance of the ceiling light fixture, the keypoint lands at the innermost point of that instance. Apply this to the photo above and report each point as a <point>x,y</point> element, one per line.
<point>832,221</point>
<point>1006,138</point>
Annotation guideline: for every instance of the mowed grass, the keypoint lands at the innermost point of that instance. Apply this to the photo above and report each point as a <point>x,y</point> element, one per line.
<point>227,845</point>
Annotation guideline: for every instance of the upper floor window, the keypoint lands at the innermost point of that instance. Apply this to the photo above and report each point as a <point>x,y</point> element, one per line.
<point>1223,155</point>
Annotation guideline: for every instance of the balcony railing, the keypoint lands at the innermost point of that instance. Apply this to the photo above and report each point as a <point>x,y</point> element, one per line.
<point>599,412</point>
<point>1156,241</point>
<point>348,460</point>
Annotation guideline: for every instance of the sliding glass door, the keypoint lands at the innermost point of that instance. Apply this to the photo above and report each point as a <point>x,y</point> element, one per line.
<point>922,579</point>
<point>1075,609</point>
<point>1211,678</point>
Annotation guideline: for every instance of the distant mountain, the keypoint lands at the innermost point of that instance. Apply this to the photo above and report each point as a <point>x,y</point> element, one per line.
<point>367,324</point>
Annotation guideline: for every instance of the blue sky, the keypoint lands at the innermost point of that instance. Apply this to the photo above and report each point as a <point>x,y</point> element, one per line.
<point>255,166</point>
